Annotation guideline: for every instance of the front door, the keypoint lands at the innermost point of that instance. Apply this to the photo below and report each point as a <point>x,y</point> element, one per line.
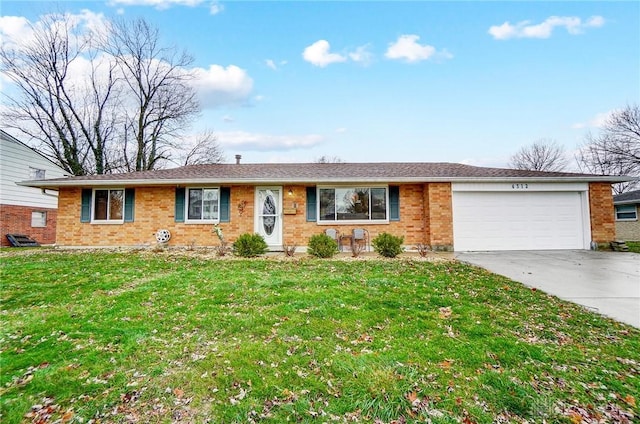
<point>268,220</point>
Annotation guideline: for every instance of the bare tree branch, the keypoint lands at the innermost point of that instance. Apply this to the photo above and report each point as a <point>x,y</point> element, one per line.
<point>543,155</point>
<point>328,159</point>
<point>205,150</point>
<point>164,102</point>
<point>616,150</point>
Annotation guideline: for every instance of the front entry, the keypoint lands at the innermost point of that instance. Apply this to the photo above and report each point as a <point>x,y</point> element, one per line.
<point>268,217</point>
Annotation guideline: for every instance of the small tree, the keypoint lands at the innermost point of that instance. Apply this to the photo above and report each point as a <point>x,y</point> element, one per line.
<point>543,155</point>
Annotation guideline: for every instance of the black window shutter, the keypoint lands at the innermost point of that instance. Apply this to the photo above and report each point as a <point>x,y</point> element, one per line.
<point>179,213</point>
<point>129,204</point>
<point>394,203</point>
<point>85,208</point>
<point>225,204</point>
<point>311,204</point>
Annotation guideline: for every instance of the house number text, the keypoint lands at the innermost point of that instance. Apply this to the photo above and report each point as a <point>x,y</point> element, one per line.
<point>519,186</point>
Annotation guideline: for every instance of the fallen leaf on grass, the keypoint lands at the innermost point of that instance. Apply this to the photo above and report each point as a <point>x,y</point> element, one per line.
<point>446,364</point>
<point>445,312</point>
<point>630,400</point>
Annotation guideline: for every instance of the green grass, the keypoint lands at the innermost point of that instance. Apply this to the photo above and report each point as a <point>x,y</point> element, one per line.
<point>634,246</point>
<point>162,337</point>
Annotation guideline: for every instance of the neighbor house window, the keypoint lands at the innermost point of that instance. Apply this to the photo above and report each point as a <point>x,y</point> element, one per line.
<point>626,213</point>
<point>36,174</point>
<point>38,219</point>
<point>108,205</point>
<point>203,204</point>
<point>353,204</point>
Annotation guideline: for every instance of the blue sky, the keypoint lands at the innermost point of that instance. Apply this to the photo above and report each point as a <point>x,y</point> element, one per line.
<point>468,82</point>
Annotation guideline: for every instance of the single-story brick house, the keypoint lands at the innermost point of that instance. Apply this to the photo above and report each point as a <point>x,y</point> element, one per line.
<point>627,209</point>
<point>444,205</point>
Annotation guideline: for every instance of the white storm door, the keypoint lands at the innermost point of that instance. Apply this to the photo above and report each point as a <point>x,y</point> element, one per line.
<point>268,219</point>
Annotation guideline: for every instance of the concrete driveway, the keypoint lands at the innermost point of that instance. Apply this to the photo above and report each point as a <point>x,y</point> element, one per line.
<point>604,282</point>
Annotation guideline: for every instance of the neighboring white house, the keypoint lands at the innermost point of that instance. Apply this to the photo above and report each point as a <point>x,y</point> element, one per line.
<point>26,210</point>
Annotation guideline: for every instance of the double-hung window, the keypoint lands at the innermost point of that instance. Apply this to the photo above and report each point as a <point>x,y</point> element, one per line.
<point>108,205</point>
<point>353,204</point>
<point>626,213</point>
<point>203,204</point>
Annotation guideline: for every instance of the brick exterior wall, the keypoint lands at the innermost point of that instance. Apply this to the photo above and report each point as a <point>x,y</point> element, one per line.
<point>603,228</point>
<point>629,230</point>
<point>17,220</point>
<point>439,215</point>
<point>426,216</point>
<point>155,209</point>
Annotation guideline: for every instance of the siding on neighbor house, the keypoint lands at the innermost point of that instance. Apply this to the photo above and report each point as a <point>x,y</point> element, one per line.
<point>603,228</point>
<point>424,217</point>
<point>629,230</point>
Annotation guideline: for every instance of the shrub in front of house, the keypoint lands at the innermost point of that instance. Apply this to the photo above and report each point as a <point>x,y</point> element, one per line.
<point>250,245</point>
<point>387,245</point>
<point>322,246</point>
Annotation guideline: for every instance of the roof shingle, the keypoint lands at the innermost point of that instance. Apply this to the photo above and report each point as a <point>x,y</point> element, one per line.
<point>321,173</point>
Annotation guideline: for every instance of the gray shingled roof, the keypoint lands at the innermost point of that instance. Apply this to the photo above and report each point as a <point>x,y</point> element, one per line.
<point>628,197</point>
<point>318,173</point>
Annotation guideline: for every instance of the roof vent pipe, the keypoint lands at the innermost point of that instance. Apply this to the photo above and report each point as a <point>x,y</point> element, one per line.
<point>238,157</point>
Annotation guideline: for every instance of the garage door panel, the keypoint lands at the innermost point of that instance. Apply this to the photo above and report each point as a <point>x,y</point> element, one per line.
<point>517,221</point>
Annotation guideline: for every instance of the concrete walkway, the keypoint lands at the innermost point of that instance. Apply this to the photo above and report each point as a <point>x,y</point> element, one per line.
<point>605,282</point>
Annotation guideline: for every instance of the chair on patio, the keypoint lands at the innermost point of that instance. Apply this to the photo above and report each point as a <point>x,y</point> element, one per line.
<point>334,234</point>
<point>360,236</point>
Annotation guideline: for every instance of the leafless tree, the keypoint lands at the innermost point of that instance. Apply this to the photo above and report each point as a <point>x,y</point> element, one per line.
<point>72,120</point>
<point>205,150</point>
<point>164,100</point>
<point>110,100</point>
<point>616,150</point>
<point>328,159</point>
<point>543,155</point>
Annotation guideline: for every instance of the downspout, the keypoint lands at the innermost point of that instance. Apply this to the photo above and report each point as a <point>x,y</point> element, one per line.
<point>44,192</point>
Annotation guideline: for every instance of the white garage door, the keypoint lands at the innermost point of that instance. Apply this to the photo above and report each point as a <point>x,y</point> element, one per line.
<point>518,221</point>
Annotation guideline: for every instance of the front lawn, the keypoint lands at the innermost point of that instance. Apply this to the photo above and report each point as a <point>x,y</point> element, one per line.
<point>164,337</point>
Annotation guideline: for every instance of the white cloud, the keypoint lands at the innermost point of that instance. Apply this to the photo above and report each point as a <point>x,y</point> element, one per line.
<point>525,29</point>
<point>243,140</point>
<point>158,4</point>
<point>318,54</point>
<point>407,48</point>
<point>227,119</point>
<point>362,55</point>
<point>341,130</point>
<point>215,8</point>
<point>597,121</point>
<point>14,28</point>
<point>219,85</point>
<point>270,64</point>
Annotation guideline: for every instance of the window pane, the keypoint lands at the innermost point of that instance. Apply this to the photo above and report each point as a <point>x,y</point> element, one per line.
<point>195,203</point>
<point>116,204</point>
<point>101,199</point>
<point>210,204</point>
<point>352,203</point>
<point>38,219</point>
<point>626,212</point>
<point>378,203</point>
<point>327,204</point>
